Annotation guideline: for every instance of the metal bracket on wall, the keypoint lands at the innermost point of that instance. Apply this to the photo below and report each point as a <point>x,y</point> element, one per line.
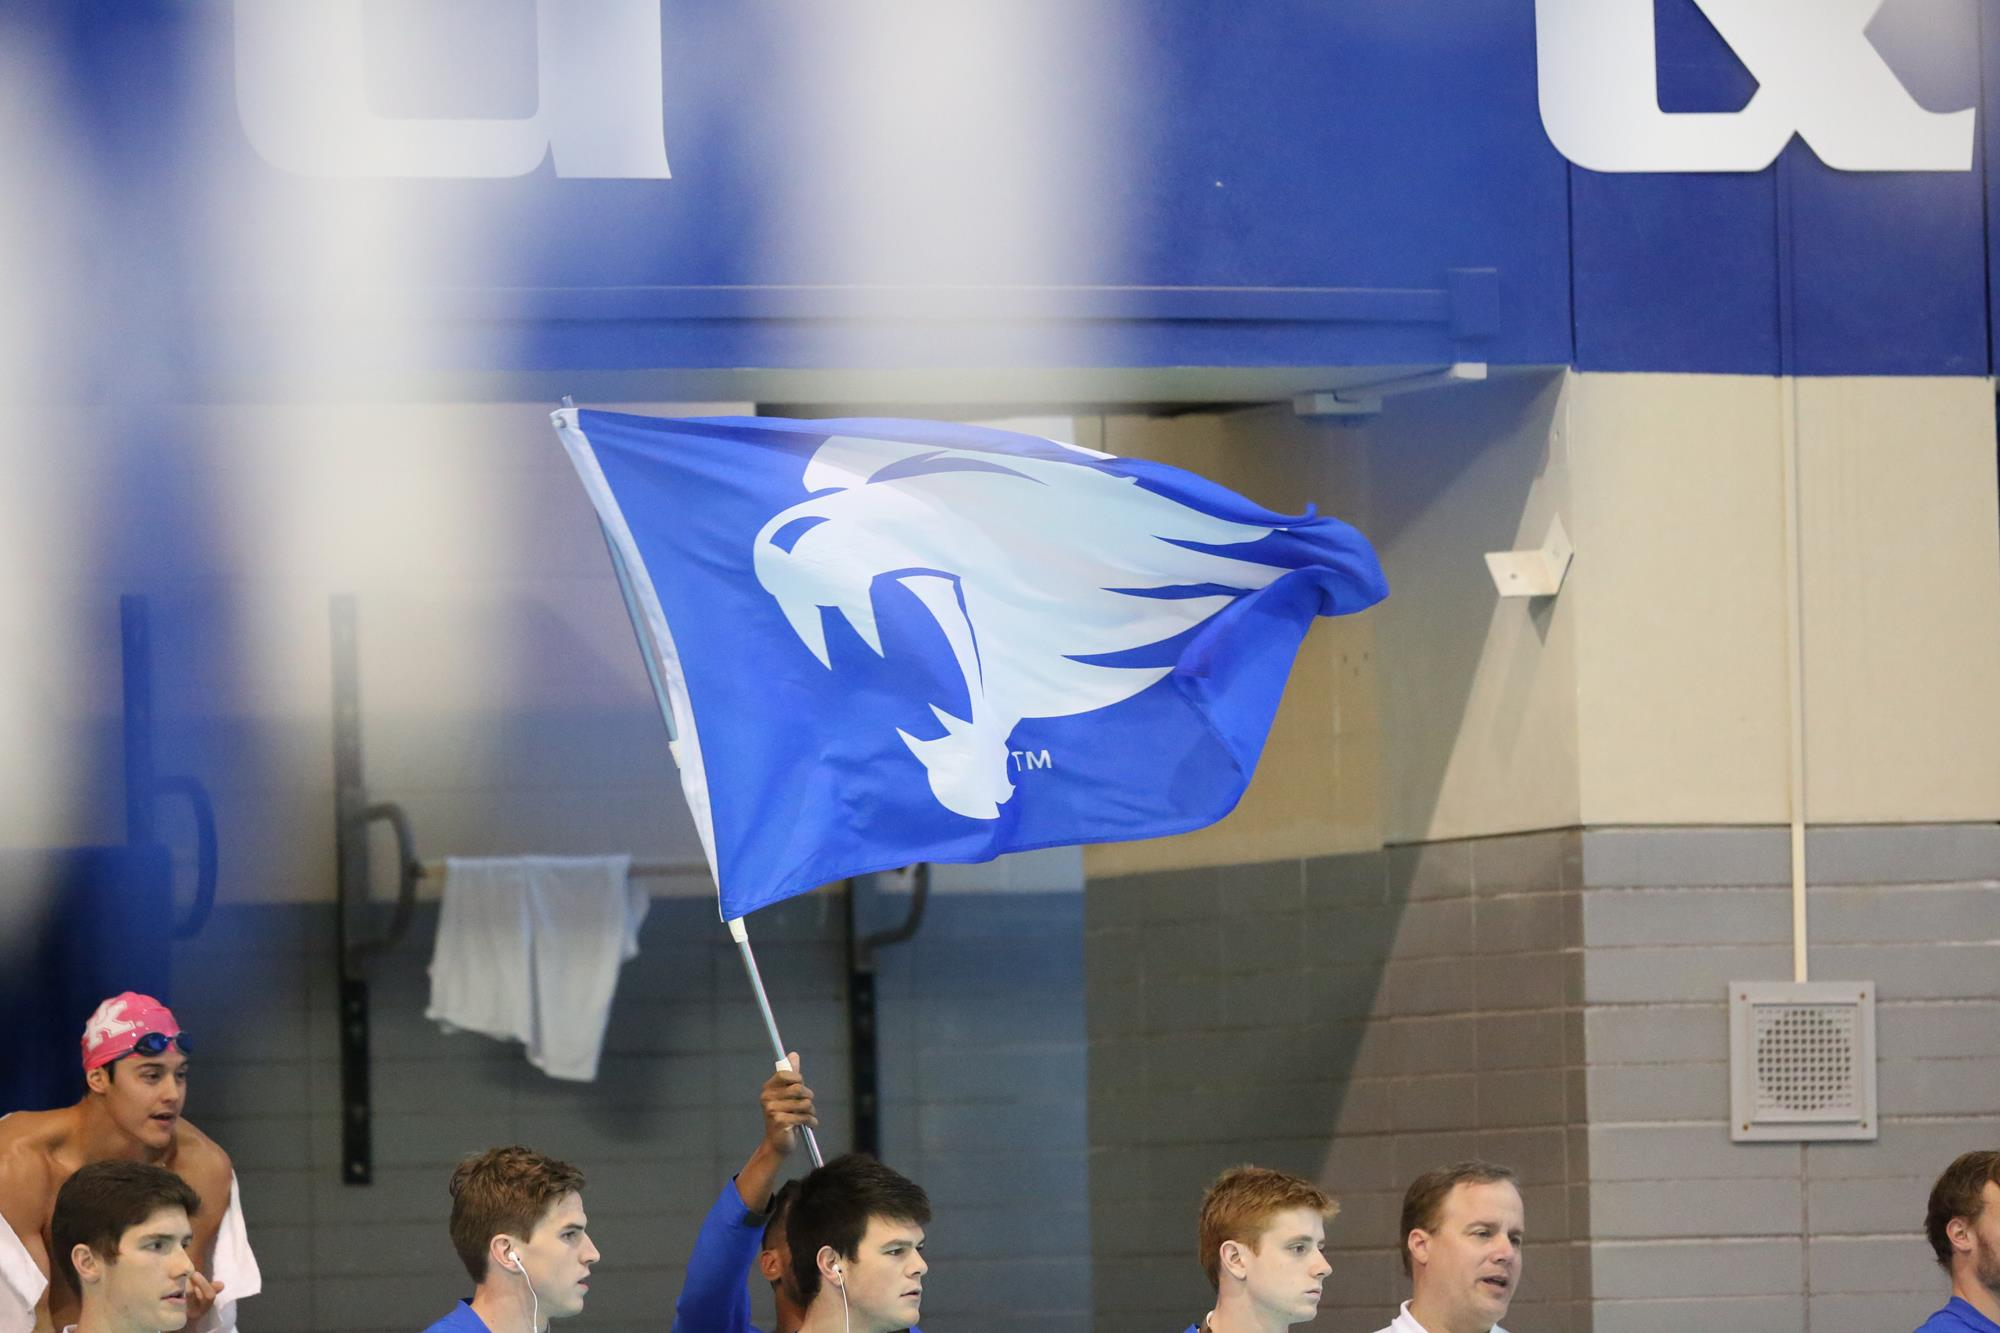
<point>353,813</point>
<point>1536,573</point>
<point>1365,399</point>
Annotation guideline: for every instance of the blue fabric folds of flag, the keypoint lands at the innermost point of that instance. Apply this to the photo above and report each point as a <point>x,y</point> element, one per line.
<point>886,642</point>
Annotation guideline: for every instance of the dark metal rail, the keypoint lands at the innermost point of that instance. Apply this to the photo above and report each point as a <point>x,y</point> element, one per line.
<point>863,1038</point>
<point>353,815</point>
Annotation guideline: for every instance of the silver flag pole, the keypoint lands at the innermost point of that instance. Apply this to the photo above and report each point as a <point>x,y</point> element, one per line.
<point>737,930</point>
<point>741,934</point>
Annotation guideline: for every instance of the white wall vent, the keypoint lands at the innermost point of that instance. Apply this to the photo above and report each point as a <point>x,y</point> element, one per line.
<point>1801,1060</point>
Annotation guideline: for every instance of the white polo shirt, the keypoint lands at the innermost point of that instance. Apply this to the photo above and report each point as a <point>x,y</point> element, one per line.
<point>1403,1323</point>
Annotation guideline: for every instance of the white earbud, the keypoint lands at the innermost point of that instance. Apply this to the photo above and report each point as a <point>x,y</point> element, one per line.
<point>534,1301</point>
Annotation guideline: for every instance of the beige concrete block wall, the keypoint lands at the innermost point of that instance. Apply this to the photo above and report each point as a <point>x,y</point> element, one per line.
<point>1318,787</point>
<point>1679,586</point>
<point>1478,692</point>
<point>1655,688</point>
<point>1901,601</point>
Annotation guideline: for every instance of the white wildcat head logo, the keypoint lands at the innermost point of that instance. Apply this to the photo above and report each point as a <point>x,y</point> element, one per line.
<point>109,1021</point>
<point>1027,564</point>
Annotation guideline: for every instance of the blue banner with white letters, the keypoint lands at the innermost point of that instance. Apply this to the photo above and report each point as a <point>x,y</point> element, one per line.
<point>887,642</point>
<point>1789,186</point>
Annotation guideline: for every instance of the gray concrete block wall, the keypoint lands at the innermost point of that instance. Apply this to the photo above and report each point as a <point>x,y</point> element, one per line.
<point>671,1114</point>
<point>1352,1019</point>
<point>1806,1238</point>
<point>982,1075</point>
<point>1355,1019</point>
<point>982,1071</point>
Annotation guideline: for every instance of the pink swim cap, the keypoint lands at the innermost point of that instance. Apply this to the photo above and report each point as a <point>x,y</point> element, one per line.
<point>119,1024</point>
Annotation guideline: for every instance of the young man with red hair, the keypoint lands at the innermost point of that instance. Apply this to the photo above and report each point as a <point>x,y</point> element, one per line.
<point>1263,1249</point>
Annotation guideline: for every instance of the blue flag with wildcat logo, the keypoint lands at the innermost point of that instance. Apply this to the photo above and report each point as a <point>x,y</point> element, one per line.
<point>883,642</point>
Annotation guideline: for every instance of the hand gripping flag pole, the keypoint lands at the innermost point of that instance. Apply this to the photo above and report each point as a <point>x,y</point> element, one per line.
<point>737,930</point>
<point>741,934</point>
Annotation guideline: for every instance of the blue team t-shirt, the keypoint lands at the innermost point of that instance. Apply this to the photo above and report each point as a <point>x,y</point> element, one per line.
<point>460,1320</point>
<point>1958,1317</point>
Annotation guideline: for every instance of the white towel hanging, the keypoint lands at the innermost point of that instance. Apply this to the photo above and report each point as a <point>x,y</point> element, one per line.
<point>528,949</point>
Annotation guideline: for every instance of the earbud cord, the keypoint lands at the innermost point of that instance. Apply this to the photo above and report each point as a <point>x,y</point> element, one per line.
<point>534,1305</point>
<point>845,1326</point>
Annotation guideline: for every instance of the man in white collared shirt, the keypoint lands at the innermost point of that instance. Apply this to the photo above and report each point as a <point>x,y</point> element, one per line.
<point>1462,1228</point>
